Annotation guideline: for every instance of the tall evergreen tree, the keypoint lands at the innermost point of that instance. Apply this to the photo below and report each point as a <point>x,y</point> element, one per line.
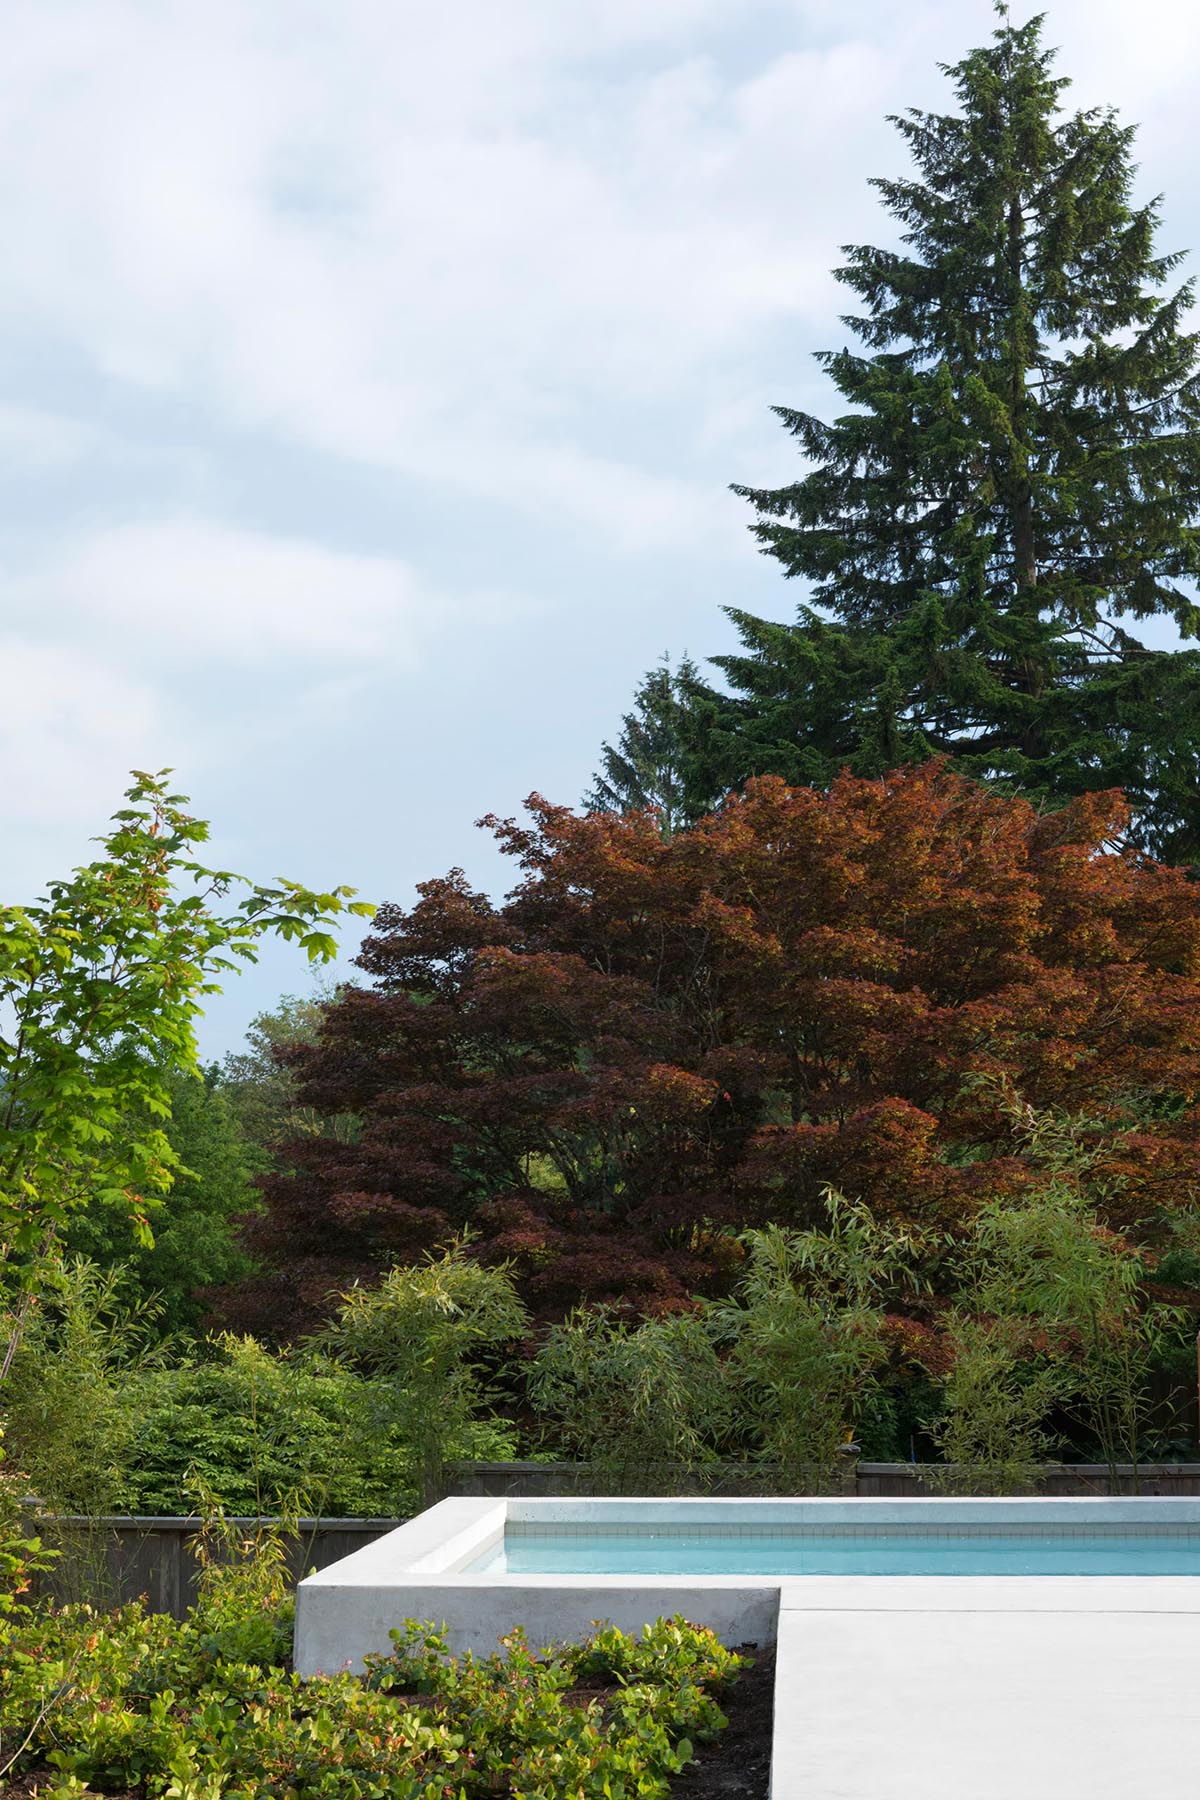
<point>646,766</point>
<point>1017,482</point>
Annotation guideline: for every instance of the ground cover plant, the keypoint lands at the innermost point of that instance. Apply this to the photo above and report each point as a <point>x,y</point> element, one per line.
<point>140,1705</point>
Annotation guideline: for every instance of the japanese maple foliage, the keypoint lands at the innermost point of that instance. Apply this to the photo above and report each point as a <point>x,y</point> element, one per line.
<point>655,1042</point>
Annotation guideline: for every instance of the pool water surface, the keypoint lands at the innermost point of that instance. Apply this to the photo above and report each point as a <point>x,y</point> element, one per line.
<point>1164,1551</point>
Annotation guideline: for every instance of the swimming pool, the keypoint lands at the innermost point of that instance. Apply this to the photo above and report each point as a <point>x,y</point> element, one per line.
<point>554,1566</point>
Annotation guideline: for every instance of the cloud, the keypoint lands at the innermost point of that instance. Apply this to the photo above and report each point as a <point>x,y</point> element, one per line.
<point>434,245</point>
<point>458,246</point>
<point>228,595</point>
<point>195,644</point>
<point>33,438</point>
<point>71,726</point>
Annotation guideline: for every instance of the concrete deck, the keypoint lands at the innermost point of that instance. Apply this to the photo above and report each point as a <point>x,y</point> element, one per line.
<point>970,1689</point>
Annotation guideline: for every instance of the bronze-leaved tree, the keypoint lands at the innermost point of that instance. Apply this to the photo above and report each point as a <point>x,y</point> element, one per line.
<point>655,1044</point>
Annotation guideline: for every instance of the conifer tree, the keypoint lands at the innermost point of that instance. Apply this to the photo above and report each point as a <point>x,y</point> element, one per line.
<point>645,767</point>
<point>1015,486</point>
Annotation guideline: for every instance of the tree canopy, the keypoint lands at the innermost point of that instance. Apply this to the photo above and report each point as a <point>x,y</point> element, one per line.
<point>654,1043</point>
<point>1014,487</point>
<point>647,767</point>
<point>101,982</point>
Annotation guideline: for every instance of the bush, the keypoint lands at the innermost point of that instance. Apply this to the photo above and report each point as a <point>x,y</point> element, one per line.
<point>102,1422</point>
<point>633,1397</point>
<point>997,1395</point>
<point>262,1432</point>
<point>67,1395</point>
<point>420,1336</point>
<point>806,1335</point>
<point>259,1431</point>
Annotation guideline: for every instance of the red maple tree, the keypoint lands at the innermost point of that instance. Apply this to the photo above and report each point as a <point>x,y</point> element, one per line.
<point>654,1042</point>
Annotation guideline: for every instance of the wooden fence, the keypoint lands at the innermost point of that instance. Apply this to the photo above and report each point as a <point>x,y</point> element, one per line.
<point>857,1480</point>
<point>109,1561</point>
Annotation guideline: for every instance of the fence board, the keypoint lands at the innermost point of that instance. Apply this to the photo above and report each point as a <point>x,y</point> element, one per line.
<point>110,1561</point>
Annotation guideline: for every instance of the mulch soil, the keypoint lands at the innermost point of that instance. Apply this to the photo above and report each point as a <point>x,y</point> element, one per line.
<point>738,1763</point>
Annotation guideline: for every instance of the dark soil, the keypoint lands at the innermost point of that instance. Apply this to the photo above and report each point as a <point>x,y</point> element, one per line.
<point>737,1766</point>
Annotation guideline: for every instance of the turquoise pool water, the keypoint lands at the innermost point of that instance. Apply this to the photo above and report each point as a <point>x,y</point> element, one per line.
<point>1161,1552</point>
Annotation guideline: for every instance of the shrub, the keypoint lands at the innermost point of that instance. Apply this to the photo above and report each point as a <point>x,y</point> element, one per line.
<point>997,1397</point>
<point>632,1397</point>
<point>806,1335</point>
<point>422,1333</point>
<point>101,1421</point>
<point>67,1396</point>
<point>260,1431</point>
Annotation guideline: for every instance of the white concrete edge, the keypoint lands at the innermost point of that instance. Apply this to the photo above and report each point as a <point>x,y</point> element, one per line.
<point>871,1510</point>
<point>445,1538</point>
<point>437,1541</point>
<point>990,1593</point>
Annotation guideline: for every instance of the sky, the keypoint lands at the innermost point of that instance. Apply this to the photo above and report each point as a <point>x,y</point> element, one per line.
<point>372,375</point>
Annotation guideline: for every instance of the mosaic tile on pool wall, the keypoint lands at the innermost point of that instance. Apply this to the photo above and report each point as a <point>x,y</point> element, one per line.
<point>528,1530</point>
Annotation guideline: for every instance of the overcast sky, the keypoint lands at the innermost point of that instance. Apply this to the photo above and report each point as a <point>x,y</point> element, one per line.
<point>373,374</point>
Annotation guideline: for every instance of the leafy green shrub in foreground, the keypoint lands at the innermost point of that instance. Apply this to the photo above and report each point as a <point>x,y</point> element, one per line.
<point>207,1710</point>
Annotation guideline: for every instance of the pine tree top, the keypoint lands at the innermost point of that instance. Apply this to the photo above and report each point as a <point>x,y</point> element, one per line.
<point>1013,482</point>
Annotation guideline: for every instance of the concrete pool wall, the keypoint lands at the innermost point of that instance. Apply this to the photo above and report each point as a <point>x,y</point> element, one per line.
<point>347,1610</point>
<point>422,1570</point>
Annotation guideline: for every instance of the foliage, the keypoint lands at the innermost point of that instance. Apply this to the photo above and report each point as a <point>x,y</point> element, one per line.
<point>636,1398</point>
<point>101,1422</point>
<point>22,1558</point>
<point>204,1710</point>
<point>195,1226</point>
<point>244,1609</point>
<point>806,1333</point>
<point>259,1088</point>
<point>264,1433</point>
<point>1013,484</point>
<point>1051,1260</point>
<point>425,1330</point>
<point>997,1398</point>
<point>646,767</point>
<point>67,1398</point>
<point>654,1044</point>
<point>102,981</point>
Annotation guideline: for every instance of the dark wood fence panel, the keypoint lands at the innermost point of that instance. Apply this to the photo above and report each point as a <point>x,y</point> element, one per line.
<point>859,1479</point>
<point>1055,1480</point>
<point>109,1561</point>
